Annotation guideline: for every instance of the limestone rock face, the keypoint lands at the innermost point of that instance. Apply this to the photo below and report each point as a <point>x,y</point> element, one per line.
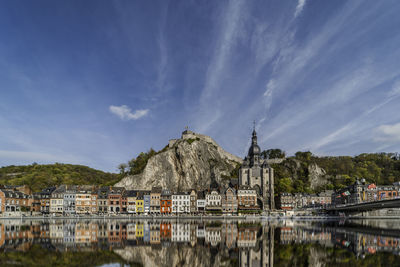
<point>187,163</point>
<point>317,176</point>
<point>168,256</point>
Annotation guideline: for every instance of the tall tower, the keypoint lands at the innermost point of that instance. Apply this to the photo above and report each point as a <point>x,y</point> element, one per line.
<point>256,173</point>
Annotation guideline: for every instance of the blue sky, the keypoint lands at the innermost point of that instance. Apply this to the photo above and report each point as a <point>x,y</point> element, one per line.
<point>97,82</point>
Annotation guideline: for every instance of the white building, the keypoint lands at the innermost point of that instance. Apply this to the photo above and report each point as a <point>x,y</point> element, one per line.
<point>213,200</point>
<point>201,205</point>
<point>180,203</point>
<point>201,201</point>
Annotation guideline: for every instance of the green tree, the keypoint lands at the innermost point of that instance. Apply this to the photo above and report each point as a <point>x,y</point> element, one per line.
<point>122,168</point>
<point>273,154</point>
<point>285,185</point>
<point>305,156</point>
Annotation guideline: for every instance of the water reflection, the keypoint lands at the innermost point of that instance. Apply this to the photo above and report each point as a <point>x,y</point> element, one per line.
<point>197,243</point>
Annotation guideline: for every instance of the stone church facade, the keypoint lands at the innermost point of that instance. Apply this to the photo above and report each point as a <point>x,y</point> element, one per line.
<point>256,173</point>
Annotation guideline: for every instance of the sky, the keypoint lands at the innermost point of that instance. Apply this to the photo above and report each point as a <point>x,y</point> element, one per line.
<point>97,82</point>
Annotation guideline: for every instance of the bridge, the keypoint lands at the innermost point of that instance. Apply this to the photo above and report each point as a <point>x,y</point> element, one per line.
<point>365,206</point>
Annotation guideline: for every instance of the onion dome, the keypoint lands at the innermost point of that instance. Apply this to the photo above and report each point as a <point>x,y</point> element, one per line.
<point>254,149</point>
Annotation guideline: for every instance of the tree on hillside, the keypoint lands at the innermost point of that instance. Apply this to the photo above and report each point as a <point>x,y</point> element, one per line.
<point>284,185</point>
<point>137,165</point>
<point>274,153</point>
<point>306,156</point>
<point>122,168</point>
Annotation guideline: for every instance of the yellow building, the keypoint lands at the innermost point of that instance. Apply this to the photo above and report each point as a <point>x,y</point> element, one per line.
<point>139,205</point>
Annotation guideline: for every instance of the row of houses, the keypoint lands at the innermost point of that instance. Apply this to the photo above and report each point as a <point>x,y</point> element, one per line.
<point>88,199</point>
<point>288,201</point>
<point>361,191</point>
<point>358,192</point>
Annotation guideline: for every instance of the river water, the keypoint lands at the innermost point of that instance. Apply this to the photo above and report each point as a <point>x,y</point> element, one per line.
<point>199,243</point>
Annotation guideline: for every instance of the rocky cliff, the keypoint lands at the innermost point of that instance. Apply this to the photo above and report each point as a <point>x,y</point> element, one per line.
<point>303,175</point>
<point>186,163</point>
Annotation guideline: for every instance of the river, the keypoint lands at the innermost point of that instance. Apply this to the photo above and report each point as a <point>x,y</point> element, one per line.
<point>172,242</point>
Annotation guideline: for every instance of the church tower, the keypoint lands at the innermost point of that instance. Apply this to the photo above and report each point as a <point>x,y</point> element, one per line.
<point>256,173</point>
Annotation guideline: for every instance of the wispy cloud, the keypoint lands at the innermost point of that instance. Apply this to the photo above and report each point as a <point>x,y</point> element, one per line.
<point>299,7</point>
<point>230,29</point>
<point>125,113</point>
<point>395,89</point>
<point>293,66</point>
<point>361,123</point>
<point>162,70</point>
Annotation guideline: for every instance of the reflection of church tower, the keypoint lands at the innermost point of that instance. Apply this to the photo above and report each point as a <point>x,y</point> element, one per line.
<point>262,254</point>
<point>257,174</point>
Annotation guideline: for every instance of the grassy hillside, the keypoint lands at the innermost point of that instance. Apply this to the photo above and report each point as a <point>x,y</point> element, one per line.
<point>38,176</point>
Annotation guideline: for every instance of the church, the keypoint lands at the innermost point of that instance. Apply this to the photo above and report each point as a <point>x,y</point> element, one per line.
<point>256,173</point>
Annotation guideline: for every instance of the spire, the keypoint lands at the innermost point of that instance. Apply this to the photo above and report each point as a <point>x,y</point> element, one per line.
<point>254,150</point>
<point>254,134</point>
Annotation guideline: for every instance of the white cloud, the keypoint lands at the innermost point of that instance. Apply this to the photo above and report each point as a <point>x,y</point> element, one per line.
<point>388,133</point>
<point>299,7</point>
<point>125,113</point>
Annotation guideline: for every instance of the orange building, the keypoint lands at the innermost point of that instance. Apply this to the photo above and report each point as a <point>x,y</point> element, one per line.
<point>115,201</point>
<point>166,202</point>
<point>387,194</point>
<point>12,201</point>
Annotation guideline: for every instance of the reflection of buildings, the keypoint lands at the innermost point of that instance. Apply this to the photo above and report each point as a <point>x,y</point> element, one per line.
<point>79,235</point>
<point>180,232</point>
<point>257,251</point>
<point>155,233</point>
<point>353,239</point>
<point>230,233</point>
<point>213,235</point>
<point>288,235</point>
<point>250,244</point>
<point>364,243</point>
